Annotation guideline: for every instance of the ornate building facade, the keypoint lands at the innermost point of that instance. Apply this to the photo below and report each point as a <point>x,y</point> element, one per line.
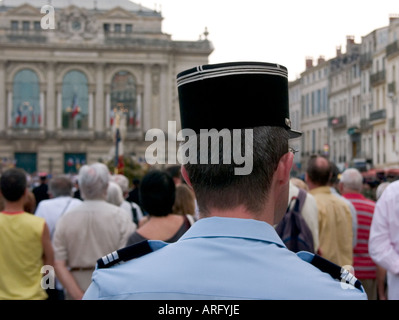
<point>63,90</point>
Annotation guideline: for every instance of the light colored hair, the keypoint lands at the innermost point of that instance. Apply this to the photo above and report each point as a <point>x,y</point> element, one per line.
<point>93,181</point>
<point>122,181</point>
<point>352,179</point>
<point>380,189</point>
<point>114,194</point>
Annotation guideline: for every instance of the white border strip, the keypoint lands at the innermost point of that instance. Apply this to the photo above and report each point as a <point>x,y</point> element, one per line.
<point>201,74</point>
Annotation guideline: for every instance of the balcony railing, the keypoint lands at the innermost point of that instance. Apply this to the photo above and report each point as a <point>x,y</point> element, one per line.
<point>377,78</point>
<point>392,87</point>
<point>337,122</point>
<point>366,60</point>
<point>365,124</point>
<point>378,115</point>
<point>392,124</point>
<point>392,49</point>
<point>33,35</point>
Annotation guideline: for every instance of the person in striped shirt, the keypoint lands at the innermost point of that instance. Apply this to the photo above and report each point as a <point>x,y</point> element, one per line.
<point>350,187</point>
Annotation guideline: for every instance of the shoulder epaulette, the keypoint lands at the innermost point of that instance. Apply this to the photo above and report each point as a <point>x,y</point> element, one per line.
<point>335,271</point>
<point>125,254</point>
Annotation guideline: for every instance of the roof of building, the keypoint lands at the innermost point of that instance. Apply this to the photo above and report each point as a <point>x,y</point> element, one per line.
<point>88,4</point>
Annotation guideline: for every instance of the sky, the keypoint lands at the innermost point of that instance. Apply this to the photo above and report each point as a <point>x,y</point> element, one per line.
<point>282,31</point>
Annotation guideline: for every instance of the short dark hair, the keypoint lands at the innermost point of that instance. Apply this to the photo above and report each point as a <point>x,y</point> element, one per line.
<point>157,193</point>
<point>217,187</point>
<point>13,184</point>
<point>319,172</point>
<point>334,173</point>
<point>174,171</point>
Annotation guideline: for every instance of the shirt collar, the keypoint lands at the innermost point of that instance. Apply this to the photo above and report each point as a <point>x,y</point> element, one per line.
<point>320,190</point>
<point>354,196</point>
<point>233,228</point>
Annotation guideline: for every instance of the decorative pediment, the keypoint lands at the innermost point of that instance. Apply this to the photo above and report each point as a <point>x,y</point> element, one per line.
<point>76,22</point>
<point>118,13</point>
<point>24,10</point>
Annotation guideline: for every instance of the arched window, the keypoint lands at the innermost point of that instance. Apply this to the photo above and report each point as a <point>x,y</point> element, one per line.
<point>75,101</point>
<point>123,98</point>
<point>26,100</point>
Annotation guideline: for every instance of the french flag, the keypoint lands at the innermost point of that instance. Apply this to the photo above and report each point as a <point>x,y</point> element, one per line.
<point>19,116</point>
<point>75,107</point>
<point>112,115</point>
<point>24,117</point>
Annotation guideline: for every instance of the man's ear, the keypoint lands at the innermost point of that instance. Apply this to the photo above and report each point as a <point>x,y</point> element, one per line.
<point>284,167</point>
<point>185,175</point>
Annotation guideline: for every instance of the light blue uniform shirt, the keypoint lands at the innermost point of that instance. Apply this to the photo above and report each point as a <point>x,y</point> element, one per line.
<point>219,258</point>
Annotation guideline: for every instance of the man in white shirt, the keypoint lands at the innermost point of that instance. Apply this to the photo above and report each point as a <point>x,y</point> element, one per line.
<point>61,200</point>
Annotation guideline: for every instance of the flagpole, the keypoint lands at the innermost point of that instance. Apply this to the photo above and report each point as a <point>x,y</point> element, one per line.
<point>117,138</point>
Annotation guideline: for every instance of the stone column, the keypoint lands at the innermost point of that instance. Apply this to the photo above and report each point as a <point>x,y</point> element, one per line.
<point>93,111</point>
<point>107,110</point>
<point>42,113</point>
<point>50,111</point>
<point>155,97</point>
<point>147,99</point>
<point>99,99</point>
<point>58,113</point>
<point>8,115</point>
<point>139,106</point>
<point>3,96</point>
<point>162,105</point>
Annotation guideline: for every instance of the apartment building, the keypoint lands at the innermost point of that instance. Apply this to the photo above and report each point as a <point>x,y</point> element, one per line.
<point>314,109</point>
<point>349,103</point>
<point>344,104</point>
<point>392,79</point>
<point>295,117</point>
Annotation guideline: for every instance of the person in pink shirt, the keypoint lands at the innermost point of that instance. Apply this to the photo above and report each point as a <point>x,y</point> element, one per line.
<point>384,237</point>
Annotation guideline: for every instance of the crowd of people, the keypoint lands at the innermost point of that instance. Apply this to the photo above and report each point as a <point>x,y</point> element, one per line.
<point>201,231</point>
<point>83,226</point>
<point>336,211</point>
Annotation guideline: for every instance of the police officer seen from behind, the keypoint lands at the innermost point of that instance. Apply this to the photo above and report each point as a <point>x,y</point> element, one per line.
<point>233,250</point>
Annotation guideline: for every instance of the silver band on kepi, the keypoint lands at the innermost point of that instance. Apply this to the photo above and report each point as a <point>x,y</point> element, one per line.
<point>202,73</point>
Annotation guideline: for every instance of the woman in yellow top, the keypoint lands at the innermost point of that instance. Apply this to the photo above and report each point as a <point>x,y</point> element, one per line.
<point>25,245</point>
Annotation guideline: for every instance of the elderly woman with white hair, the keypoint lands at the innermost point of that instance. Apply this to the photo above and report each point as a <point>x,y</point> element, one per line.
<point>133,209</point>
<point>114,194</point>
<point>88,232</point>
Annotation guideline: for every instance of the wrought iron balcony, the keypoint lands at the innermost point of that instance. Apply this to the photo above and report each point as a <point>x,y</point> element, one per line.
<point>392,124</point>
<point>366,60</point>
<point>378,115</point>
<point>365,124</point>
<point>377,78</point>
<point>392,49</point>
<point>31,36</point>
<point>392,87</point>
<point>337,122</point>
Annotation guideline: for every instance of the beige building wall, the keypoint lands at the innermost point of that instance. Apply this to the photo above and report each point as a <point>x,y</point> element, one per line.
<point>98,43</point>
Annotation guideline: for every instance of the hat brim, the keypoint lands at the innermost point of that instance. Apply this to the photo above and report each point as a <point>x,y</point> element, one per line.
<point>294,134</point>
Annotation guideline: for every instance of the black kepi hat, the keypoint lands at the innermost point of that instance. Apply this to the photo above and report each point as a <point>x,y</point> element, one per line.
<point>234,95</point>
